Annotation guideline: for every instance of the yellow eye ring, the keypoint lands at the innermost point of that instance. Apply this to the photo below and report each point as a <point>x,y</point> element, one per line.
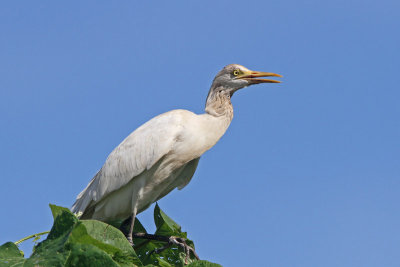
<point>236,72</point>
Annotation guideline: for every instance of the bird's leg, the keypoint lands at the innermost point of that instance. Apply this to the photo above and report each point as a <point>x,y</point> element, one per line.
<point>130,238</point>
<point>127,228</point>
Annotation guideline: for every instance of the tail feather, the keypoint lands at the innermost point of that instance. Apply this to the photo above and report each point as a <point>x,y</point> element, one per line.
<point>84,199</point>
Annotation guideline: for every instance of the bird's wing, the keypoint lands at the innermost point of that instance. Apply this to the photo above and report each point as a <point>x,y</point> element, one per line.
<point>181,180</point>
<point>187,173</point>
<point>137,153</point>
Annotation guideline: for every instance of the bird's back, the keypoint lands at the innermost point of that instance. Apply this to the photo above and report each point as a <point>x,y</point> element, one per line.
<point>135,157</point>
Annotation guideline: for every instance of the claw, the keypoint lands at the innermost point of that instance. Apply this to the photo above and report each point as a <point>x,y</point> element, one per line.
<point>130,240</point>
<point>182,243</point>
<point>170,240</point>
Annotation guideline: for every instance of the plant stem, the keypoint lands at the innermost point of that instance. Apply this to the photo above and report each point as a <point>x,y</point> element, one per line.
<point>31,236</point>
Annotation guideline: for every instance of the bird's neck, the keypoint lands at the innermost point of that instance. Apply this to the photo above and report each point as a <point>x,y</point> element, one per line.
<point>219,104</point>
<point>214,123</point>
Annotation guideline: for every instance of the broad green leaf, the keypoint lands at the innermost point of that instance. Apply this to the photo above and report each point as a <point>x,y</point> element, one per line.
<point>125,225</point>
<point>143,251</point>
<point>49,256</point>
<point>57,210</point>
<point>73,242</point>
<point>161,220</point>
<point>88,256</point>
<point>103,235</point>
<point>106,238</point>
<point>163,263</point>
<point>63,223</point>
<point>70,238</point>
<point>168,227</point>
<point>10,255</point>
<point>51,251</point>
<point>138,228</point>
<point>203,264</point>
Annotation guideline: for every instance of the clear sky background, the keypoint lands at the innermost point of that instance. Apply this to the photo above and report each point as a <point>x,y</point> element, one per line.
<point>308,174</point>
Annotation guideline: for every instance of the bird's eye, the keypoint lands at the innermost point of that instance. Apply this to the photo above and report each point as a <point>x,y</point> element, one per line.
<point>236,72</point>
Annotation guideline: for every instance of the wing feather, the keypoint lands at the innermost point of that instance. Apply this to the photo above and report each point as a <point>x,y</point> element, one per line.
<point>137,153</point>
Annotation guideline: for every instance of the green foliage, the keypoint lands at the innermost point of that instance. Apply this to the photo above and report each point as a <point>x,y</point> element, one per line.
<point>10,255</point>
<point>74,242</point>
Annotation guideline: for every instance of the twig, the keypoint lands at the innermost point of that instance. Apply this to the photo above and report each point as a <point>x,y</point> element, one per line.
<point>170,240</point>
<point>31,236</point>
<point>161,249</point>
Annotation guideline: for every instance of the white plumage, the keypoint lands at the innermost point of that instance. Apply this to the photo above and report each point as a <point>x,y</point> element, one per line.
<point>159,156</point>
<point>162,154</point>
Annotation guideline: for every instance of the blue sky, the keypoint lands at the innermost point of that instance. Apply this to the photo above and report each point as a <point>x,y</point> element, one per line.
<point>308,174</point>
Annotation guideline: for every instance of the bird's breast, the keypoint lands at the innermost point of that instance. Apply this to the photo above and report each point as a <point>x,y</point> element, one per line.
<point>198,135</point>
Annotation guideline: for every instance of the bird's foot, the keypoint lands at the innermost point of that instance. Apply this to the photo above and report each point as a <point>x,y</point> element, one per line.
<point>130,239</point>
<point>181,242</point>
<point>170,240</point>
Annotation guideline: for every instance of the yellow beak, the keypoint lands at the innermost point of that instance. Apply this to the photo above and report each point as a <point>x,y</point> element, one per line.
<point>251,76</point>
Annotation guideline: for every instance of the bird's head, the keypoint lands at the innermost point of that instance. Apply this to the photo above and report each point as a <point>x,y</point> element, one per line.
<point>234,77</point>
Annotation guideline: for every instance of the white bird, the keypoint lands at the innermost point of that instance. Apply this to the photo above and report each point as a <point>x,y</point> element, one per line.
<point>163,153</point>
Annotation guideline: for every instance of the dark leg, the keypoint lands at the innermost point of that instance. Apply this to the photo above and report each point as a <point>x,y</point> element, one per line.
<point>127,228</point>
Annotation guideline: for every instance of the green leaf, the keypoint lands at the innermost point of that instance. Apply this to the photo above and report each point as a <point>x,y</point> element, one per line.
<point>163,263</point>
<point>70,239</point>
<point>88,256</point>
<point>203,264</point>
<point>125,225</point>
<point>57,210</point>
<point>62,224</point>
<point>100,234</point>
<point>73,242</point>
<point>138,228</point>
<point>51,251</point>
<point>10,255</point>
<point>166,227</point>
<point>106,238</point>
<point>143,251</point>
<point>162,220</point>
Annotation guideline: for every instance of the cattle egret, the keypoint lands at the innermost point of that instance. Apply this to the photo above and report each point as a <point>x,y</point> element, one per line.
<point>163,153</point>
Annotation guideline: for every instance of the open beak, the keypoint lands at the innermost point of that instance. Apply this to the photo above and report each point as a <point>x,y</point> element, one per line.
<point>252,77</point>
